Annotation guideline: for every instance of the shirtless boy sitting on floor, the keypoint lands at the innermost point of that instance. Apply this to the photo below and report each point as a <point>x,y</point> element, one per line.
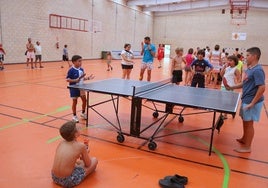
<point>72,162</point>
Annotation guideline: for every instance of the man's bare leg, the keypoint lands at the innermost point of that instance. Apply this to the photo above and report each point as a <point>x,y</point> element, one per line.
<point>141,74</point>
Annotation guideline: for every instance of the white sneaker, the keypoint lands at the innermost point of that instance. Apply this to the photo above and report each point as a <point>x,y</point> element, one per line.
<point>75,119</point>
<point>84,116</point>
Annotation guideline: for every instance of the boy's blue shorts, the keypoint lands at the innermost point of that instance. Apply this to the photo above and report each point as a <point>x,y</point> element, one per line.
<point>252,114</point>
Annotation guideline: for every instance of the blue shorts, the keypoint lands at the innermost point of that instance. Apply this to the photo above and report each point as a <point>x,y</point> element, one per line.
<point>75,93</point>
<point>252,114</point>
<point>74,179</point>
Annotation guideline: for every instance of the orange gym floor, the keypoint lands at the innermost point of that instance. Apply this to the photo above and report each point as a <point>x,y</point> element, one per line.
<point>35,103</point>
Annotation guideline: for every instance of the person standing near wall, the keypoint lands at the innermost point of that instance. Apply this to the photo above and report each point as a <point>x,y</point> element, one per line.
<point>30,52</point>
<point>127,61</point>
<point>2,53</point>
<point>38,54</point>
<point>148,51</point>
<point>160,54</point>
<point>65,56</point>
<point>109,61</point>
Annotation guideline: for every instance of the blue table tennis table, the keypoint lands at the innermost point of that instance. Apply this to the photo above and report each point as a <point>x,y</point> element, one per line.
<point>210,100</point>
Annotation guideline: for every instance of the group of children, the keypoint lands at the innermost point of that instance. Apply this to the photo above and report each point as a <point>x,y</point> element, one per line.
<point>69,170</point>
<point>202,68</point>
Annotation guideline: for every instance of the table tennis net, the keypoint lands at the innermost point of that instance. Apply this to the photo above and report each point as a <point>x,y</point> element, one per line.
<point>149,87</point>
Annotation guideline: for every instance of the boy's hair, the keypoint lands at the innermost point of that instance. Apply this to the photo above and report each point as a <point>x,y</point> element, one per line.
<point>201,52</point>
<point>65,46</point>
<point>76,57</point>
<point>147,38</point>
<point>233,58</point>
<point>255,51</point>
<point>178,50</point>
<point>126,45</point>
<point>68,130</point>
<point>217,47</point>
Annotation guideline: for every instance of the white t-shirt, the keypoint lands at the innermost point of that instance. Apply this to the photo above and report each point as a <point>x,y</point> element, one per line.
<point>38,50</point>
<point>129,55</point>
<point>229,75</point>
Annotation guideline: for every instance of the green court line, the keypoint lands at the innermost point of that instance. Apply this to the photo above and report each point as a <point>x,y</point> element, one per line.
<point>226,168</point>
<point>25,120</point>
<point>51,140</point>
<point>60,109</point>
<point>13,125</point>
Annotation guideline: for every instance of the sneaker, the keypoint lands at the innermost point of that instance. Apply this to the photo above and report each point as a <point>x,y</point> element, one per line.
<point>84,116</point>
<point>75,119</point>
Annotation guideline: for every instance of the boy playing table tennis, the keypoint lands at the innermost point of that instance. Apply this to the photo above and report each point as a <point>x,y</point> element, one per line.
<point>76,75</point>
<point>72,162</point>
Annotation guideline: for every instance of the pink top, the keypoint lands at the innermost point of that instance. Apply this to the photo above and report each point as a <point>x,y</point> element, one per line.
<point>189,59</point>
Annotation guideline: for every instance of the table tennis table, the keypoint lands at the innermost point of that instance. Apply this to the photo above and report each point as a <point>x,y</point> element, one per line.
<point>209,100</point>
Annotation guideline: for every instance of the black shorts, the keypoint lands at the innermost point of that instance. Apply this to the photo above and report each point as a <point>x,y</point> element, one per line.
<point>2,57</point>
<point>176,76</point>
<point>65,58</point>
<point>198,80</point>
<point>38,57</point>
<point>127,66</point>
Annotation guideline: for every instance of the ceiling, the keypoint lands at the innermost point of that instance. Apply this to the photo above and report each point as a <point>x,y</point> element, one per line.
<point>168,6</point>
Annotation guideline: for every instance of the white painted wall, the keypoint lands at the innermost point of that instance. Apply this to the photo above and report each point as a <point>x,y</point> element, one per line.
<point>207,28</point>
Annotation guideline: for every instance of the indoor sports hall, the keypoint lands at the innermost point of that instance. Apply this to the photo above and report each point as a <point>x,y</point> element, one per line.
<point>137,140</point>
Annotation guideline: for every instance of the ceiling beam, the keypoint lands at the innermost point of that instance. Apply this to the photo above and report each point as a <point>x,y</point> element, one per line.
<point>158,6</point>
<point>151,2</point>
<point>187,5</point>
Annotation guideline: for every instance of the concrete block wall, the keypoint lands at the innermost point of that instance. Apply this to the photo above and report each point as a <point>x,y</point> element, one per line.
<point>28,18</point>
